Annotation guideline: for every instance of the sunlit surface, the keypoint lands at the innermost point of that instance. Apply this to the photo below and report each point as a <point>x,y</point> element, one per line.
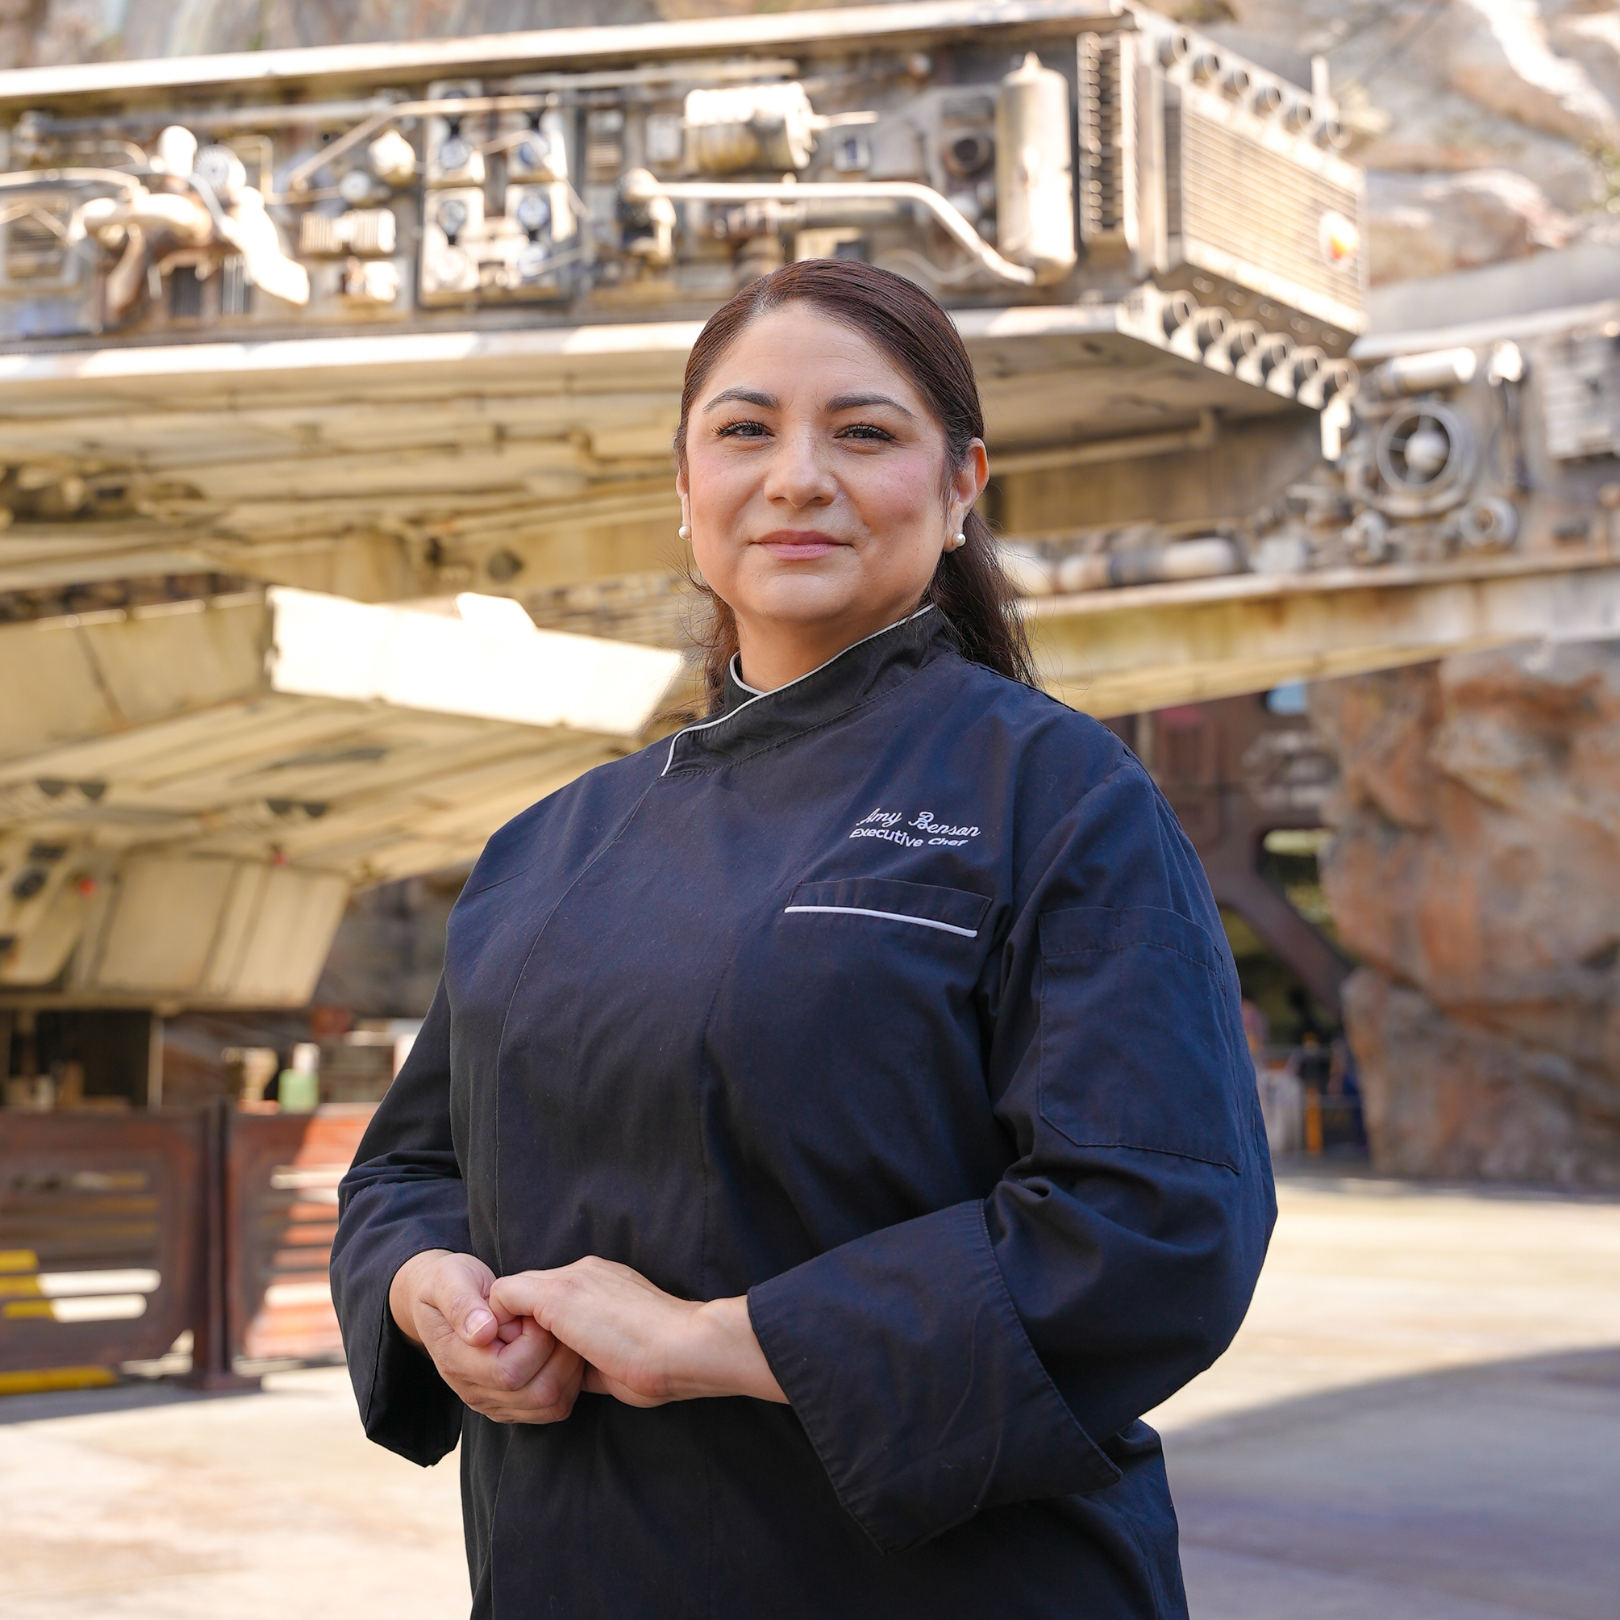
<point>1420,1421</point>
<point>260,1507</point>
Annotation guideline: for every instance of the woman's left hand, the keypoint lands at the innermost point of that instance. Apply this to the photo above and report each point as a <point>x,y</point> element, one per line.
<point>641,1345</point>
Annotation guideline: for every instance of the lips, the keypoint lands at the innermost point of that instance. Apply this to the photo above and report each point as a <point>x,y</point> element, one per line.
<point>797,545</point>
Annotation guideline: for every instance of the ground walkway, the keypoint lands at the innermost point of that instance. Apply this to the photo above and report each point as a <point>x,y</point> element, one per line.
<point>1419,1421</point>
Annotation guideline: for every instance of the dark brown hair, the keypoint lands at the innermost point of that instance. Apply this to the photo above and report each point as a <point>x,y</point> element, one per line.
<point>969,589</point>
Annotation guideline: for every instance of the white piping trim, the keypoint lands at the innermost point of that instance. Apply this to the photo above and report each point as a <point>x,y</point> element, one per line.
<point>736,675</point>
<point>891,916</point>
<point>704,725</point>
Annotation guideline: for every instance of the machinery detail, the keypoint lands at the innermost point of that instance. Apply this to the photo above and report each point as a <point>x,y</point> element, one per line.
<point>1073,156</point>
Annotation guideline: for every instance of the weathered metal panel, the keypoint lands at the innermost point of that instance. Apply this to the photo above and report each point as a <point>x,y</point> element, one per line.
<point>283,1176</point>
<point>101,1221</point>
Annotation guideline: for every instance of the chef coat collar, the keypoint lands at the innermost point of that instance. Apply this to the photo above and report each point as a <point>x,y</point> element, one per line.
<point>750,719</point>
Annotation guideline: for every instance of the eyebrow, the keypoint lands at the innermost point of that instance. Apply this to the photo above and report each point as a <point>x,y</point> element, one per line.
<point>746,396</point>
<point>769,402</point>
<point>855,402</point>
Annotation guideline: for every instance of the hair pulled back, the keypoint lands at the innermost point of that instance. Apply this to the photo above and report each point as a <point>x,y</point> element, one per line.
<point>969,589</point>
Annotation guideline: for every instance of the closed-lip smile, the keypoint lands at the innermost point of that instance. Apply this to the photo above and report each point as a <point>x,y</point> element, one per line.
<point>797,544</point>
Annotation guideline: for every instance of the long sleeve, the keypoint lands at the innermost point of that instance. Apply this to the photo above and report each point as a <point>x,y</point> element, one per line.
<point>988,1352</point>
<point>404,1194</point>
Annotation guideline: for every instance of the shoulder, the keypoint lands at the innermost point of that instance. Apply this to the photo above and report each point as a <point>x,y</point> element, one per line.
<point>1075,785</point>
<point>581,813</point>
<point>1042,736</point>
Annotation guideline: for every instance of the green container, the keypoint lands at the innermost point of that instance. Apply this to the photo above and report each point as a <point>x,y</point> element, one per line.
<point>299,1091</point>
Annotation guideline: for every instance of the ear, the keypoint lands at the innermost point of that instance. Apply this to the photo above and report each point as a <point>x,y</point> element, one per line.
<point>968,481</point>
<point>683,490</point>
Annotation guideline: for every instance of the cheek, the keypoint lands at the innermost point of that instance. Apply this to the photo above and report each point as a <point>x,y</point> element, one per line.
<point>900,497</point>
<point>721,478</point>
<point>716,493</point>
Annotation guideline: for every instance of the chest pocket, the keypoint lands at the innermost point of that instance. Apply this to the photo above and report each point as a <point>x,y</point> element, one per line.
<point>1136,1042</point>
<point>921,906</point>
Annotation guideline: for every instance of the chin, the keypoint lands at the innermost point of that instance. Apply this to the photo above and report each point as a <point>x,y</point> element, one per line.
<point>800,601</point>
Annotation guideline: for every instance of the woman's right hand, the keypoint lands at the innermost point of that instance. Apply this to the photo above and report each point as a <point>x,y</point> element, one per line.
<point>514,1372</point>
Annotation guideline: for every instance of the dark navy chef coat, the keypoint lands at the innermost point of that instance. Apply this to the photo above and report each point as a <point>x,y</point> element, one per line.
<point>895,999</point>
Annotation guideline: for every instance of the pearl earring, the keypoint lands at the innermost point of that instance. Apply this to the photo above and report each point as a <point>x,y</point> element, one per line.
<point>956,541</point>
<point>684,532</point>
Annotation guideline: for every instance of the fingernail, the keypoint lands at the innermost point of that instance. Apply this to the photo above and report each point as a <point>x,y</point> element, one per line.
<point>476,1321</point>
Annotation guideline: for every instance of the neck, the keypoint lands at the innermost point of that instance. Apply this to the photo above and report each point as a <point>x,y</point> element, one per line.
<point>772,655</point>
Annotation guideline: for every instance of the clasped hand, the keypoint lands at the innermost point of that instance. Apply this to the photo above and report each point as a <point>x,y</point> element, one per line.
<point>521,1349</point>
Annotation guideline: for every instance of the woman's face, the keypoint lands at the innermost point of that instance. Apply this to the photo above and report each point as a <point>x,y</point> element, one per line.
<point>815,489</point>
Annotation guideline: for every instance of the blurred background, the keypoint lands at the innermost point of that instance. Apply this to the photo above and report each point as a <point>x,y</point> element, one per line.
<point>340,346</point>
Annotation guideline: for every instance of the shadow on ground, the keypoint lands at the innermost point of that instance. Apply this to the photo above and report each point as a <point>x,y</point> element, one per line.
<point>1488,1492</point>
<point>125,1397</point>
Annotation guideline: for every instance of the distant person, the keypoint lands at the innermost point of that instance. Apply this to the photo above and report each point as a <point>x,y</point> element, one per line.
<point>1305,1020</point>
<point>833,1130</point>
<point>1311,1062</point>
<point>1281,1099</point>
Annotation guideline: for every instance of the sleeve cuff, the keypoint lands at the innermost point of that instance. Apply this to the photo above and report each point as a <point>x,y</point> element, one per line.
<point>408,1407</point>
<point>906,1362</point>
<point>404,1404</point>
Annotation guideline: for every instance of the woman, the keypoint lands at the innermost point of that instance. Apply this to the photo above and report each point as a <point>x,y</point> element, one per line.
<point>865,1059</point>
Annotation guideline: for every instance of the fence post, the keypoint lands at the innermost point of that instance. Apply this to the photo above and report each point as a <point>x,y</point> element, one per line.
<point>211,1354</point>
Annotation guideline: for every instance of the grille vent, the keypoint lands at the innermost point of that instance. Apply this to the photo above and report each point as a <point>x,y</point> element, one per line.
<point>1580,385</point>
<point>235,287</point>
<point>1107,127</point>
<point>1249,204</point>
<point>36,253</point>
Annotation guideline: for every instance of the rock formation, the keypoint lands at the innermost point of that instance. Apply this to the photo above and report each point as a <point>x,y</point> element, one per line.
<point>1427,224</point>
<point>1475,871</point>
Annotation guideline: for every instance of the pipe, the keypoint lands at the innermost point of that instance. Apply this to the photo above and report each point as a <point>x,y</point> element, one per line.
<point>150,211</point>
<point>1425,372</point>
<point>1154,565</point>
<point>1257,366</point>
<point>125,278</point>
<point>1237,343</point>
<point>639,187</point>
<point>537,88</point>
<point>1333,378</point>
<point>1177,309</point>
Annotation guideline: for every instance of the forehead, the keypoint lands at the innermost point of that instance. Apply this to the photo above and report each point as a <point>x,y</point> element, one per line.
<point>805,357</point>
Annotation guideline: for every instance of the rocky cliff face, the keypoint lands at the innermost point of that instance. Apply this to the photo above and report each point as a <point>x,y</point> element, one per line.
<point>1475,871</point>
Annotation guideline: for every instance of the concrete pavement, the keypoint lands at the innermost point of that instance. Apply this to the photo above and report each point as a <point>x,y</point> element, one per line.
<point>1419,1421</point>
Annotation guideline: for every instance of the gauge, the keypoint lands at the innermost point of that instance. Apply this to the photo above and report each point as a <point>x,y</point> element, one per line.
<point>531,152</point>
<point>452,216</point>
<point>533,212</point>
<point>454,154</point>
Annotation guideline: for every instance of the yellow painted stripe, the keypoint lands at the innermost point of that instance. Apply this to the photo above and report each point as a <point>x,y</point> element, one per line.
<point>18,1260</point>
<point>19,1285</point>
<point>30,1307</point>
<point>50,1378</point>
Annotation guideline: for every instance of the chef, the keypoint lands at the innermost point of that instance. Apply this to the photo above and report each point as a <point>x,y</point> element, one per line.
<point>834,1128</point>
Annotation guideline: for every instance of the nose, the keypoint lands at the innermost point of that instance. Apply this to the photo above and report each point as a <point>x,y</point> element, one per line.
<point>798,475</point>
